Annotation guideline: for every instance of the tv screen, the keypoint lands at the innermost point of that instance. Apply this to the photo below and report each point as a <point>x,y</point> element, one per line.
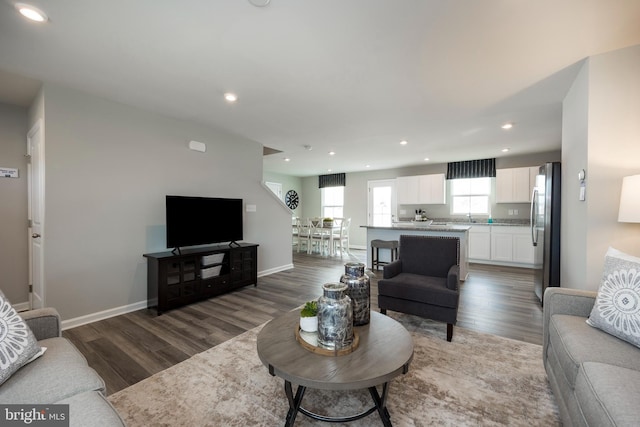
<point>195,221</point>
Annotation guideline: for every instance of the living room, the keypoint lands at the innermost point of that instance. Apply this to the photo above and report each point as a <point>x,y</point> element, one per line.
<point>109,166</point>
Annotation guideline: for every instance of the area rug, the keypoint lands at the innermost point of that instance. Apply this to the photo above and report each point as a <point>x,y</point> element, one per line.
<point>476,380</point>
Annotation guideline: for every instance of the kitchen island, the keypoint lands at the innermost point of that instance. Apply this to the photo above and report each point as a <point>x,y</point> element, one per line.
<point>415,229</point>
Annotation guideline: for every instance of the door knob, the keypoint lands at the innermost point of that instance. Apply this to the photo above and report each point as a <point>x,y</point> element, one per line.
<point>35,235</point>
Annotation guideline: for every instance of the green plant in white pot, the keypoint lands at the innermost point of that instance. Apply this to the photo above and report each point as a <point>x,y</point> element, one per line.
<point>309,317</point>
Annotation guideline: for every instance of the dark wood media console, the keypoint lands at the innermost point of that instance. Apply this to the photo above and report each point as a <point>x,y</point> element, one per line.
<point>198,274</point>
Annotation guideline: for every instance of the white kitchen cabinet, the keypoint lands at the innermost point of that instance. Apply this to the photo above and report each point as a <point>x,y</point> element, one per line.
<point>480,242</point>
<point>523,250</point>
<point>432,189</point>
<point>421,189</point>
<point>501,244</point>
<point>407,188</point>
<point>513,185</point>
<point>511,244</point>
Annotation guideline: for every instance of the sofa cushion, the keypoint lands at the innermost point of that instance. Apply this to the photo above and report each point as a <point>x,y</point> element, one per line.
<point>617,307</point>
<point>608,394</point>
<point>574,342</point>
<point>18,345</point>
<point>91,409</point>
<point>415,287</point>
<point>61,372</point>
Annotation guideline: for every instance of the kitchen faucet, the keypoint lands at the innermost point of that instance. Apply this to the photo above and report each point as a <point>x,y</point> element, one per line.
<point>470,218</point>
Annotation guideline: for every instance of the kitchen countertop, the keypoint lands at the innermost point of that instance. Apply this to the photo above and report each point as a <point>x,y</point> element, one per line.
<point>425,227</point>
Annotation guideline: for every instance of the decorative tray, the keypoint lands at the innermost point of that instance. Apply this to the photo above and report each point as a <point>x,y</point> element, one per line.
<point>309,340</point>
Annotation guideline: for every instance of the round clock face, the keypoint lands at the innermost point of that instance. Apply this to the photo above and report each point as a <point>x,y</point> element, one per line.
<point>291,199</point>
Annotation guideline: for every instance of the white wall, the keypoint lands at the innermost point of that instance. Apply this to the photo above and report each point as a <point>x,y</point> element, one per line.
<point>612,140</point>
<point>108,168</point>
<point>573,239</point>
<point>13,204</point>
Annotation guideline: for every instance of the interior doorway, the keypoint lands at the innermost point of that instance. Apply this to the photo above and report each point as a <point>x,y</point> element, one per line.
<point>35,177</point>
<point>381,203</point>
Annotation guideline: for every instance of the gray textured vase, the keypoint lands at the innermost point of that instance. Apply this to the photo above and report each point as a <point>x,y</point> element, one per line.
<point>335,317</point>
<point>359,290</point>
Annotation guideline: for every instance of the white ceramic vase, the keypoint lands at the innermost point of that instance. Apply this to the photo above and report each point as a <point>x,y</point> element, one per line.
<point>309,324</point>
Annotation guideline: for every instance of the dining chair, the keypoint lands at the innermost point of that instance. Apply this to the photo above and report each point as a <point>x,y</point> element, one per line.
<point>340,236</point>
<point>318,236</point>
<point>304,233</point>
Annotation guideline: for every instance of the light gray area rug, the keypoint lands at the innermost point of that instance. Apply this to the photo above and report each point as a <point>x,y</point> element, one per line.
<point>477,379</point>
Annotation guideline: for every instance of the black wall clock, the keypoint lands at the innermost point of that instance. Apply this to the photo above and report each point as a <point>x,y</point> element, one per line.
<point>291,199</point>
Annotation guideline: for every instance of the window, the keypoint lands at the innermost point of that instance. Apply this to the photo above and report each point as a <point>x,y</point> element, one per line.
<point>332,202</point>
<point>470,196</point>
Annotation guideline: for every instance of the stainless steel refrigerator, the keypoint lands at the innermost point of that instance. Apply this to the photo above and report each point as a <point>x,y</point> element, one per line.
<point>545,228</point>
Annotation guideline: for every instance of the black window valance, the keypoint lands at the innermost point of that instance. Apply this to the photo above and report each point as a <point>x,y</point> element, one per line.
<point>484,168</point>
<point>333,180</point>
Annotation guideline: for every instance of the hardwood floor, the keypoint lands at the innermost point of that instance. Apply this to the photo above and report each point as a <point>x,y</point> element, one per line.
<point>128,348</point>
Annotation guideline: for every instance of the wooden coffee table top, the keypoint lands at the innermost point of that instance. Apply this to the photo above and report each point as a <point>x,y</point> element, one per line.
<point>384,352</point>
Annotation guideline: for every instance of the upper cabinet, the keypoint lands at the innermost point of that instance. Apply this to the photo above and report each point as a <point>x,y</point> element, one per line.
<point>515,185</point>
<point>421,190</point>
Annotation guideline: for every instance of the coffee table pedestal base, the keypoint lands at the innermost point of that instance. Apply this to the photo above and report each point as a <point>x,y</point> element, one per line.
<point>380,404</point>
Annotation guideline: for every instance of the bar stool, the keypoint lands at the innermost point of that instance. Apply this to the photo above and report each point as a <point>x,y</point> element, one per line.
<point>376,245</point>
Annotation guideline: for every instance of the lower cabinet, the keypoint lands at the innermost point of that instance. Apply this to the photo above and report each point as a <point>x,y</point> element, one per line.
<point>174,280</point>
<point>504,245</point>
<point>480,242</point>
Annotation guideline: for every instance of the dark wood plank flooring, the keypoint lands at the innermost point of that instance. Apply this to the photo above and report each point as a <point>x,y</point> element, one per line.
<point>128,348</point>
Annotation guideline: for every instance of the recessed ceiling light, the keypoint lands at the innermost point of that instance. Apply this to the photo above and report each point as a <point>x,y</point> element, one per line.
<point>404,142</point>
<point>328,170</point>
<point>367,166</point>
<point>286,159</point>
<point>505,150</point>
<point>260,3</point>
<point>231,97</point>
<point>507,126</point>
<point>31,12</point>
<point>332,153</point>
<point>426,159</point>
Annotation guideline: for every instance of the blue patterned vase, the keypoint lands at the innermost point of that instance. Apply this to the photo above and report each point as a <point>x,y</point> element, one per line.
<point>335,317</point>
<point>359,290</point>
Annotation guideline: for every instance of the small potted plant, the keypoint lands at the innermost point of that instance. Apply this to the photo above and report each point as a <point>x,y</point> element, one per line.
<point>309,317</point>
<point>327,222</point>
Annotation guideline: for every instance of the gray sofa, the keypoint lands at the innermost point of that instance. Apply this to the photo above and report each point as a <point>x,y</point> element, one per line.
<point>61,375</point>
<point>594,376</point>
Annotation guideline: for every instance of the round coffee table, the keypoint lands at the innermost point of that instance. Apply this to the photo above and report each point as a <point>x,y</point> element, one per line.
<point>384,352</point>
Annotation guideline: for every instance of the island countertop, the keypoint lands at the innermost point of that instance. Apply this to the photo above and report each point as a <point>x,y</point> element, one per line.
<point>393,233</point>
<point>411,227</point>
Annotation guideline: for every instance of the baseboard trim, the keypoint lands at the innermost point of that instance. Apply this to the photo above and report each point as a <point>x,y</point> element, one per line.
<point>101,315</point>
<point>275,270</point>
<point>22,306</point>
<point>117,311</point>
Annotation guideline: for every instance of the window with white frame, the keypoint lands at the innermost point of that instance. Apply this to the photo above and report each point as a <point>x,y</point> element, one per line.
<point>470,196</point>
<point>332,202</point>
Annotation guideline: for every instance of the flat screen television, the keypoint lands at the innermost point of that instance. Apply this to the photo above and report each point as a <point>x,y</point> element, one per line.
<point>195,221</point>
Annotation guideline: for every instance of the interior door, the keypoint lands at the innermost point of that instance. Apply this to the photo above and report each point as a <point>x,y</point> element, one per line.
<point>35,176</point>
<point>382,203</point>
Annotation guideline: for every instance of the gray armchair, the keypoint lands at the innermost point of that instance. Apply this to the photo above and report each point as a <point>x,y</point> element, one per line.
<point>424,280</point>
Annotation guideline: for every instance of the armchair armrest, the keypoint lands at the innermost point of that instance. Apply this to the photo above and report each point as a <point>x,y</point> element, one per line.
<point>453,277</point>
<point>573,302</point>
<point>43,322</point>
<point>392,269</point>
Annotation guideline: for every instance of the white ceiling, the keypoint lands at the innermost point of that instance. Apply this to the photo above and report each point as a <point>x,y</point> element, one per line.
<point>354,77</point>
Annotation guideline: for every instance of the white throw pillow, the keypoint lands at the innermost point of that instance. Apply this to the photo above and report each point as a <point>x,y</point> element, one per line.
<point>18,345</point>
<point>617,307</point>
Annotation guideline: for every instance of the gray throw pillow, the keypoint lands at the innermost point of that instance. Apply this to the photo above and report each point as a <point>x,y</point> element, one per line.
<point>617,307</point>
<point>18,345</point>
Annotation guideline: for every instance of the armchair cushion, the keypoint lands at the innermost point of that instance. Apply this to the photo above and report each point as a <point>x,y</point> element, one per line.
<point>427,255</point>
<point>422,289</point>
